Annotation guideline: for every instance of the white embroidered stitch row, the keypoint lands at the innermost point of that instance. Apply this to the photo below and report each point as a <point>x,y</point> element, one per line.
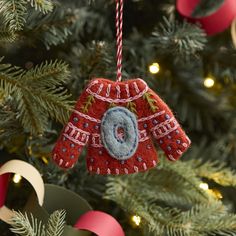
<point>76,140</point>
<point>87,117</point>
<point>70,125</point>
<point>160,134</point>
<point>118,89</point>
<point>61,161</point>
<point>96,138</point>
<point>99,121</point>
<point>117,171</point>
<point>117,100</point>
<point>76,135</point>
<point>151,117</point>
<point>163,124</point>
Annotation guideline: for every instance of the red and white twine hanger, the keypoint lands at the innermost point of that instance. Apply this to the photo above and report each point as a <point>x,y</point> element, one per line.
<point>119,36</point>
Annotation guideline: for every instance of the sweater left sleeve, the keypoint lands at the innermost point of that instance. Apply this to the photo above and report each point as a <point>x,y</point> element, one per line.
<point>167,131</point>
<point>73,138</point>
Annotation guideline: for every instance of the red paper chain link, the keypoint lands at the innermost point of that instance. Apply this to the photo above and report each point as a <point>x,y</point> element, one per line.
<point>119,35</point>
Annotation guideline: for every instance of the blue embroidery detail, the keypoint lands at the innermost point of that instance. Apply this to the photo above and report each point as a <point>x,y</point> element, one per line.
<point>75,119</point>
<point>113,119</point>
<point>72,145</point>
<point>86,125</point>
<point>139,159</point>
<point>96,127</point>
<point>64,149</point>
<point>167,116</point>
<point>155,122</point>
<point>72,156</point>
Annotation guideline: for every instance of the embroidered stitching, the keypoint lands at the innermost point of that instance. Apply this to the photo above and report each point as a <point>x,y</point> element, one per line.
<point>127,90</point>
<point>118,91</point>
<point>70,125</point>
<point>117,100</point>
<point>163,124</point>
<point>160,135</point>
<point>136,87</point>
<point>87,116</point>
<point>134,143</point>
<point>108,90</point>
<point>75,140</point>
<point>151,117</point>
<point>100,89</point>
<point>99,121</point>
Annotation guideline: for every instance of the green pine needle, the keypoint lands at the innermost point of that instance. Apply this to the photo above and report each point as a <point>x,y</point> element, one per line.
<point>14,12</point>
<point>56,223</point>
<point>26,226</point>
<point>37,94</point>
<point>44,6</point>
<point>23,225</point>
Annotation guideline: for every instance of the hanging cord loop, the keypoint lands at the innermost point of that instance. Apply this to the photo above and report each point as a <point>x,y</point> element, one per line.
<point>119,35</point>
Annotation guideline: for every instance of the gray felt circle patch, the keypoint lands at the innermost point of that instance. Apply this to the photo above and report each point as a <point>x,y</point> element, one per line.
<point>119,133</point>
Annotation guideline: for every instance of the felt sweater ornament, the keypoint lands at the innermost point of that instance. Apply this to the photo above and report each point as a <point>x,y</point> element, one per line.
<point>117,120</point>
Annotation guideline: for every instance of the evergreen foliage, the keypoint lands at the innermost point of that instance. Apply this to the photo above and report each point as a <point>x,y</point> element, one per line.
<point>173,203</point>
<point>23,225</point>
<point>36,93</point>
<point>53,48</point>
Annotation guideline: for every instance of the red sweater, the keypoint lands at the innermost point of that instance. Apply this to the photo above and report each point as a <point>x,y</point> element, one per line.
<point>117,121</point>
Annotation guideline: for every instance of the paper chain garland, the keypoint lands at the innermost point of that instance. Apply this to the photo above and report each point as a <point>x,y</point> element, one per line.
<point>214,23</point>
<point>96,222</point>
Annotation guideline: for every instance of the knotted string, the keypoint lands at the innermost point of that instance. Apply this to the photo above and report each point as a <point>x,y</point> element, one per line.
<point>119,35</point>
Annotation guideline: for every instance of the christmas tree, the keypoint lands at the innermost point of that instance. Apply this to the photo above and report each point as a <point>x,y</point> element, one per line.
<point>50,50</point>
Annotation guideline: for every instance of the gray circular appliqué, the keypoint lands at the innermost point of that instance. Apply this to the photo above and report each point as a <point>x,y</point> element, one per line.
<point>120,148</point>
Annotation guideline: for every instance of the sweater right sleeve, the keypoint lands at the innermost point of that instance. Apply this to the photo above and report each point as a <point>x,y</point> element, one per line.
<point>167,131</point>
<point>73,138</point>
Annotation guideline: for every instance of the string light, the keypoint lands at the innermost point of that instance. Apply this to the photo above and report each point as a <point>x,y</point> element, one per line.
<point>16,178</point>
<point>136,220</point>
<point>204,186</point>
<point>154,68</point>
<point>209,82</point>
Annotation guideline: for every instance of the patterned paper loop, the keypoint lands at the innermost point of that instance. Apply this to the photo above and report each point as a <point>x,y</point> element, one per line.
<point>99,223</point>
<point>233,32</point>
<point>214,23</point>
<point>29,173</point>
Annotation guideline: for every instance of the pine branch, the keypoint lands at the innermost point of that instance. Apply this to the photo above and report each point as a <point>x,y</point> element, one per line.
<point>13,12</point>
<point>56,223</point>
<point>49,74</point>
<point>44,6</point>
<point>216,171</point>
<point>199,214</point>
<point>25,226</point>
<point>36,95</point>
<point>53,28</point>
<point>7,35</point>
<point>182,40</point>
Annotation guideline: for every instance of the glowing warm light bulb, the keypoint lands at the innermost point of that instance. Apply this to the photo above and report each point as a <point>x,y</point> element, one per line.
<point>16,178</point>
<point>154,68</point>
<point>136,219</point>
<point>209,82</point>
<point>204,186</point>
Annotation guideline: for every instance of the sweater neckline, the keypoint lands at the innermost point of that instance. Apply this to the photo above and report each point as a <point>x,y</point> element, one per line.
<point>117,92</point>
